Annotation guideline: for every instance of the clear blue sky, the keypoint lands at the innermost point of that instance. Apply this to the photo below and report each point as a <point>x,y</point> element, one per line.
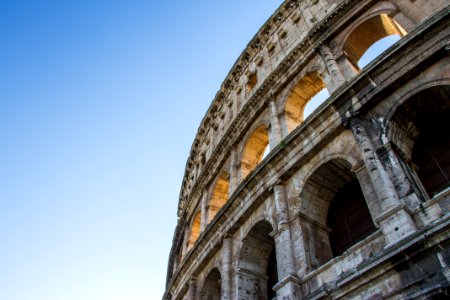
<point>99,104</point>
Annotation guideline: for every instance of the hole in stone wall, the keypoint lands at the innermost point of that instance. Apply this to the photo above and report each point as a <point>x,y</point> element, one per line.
<point>266,151</point>
<point>272,274</point>
<point>211,289</point>
<point>315,101</point>
<point>271,48</point>
<point>348,218</point>
<point>195,231</point>
<point>219,195</point>
<point>254,150</point>
<point>367,34</point>
<point>309,89</point>
<point>332,199</point>
<point>377,48</point>
<point>419,130</point>
<point>252,80</point>
<point>257,264</point>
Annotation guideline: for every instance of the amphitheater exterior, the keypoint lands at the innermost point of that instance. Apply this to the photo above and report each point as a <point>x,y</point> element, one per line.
<point>349,202</point>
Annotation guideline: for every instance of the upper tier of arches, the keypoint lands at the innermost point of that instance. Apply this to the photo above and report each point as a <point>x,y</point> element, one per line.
<point>323,70</point>
<point>247,119</point>
<point>235,156</point>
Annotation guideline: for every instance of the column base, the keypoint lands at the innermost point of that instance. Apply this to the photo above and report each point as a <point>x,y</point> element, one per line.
<point>288,288</point>
<point>396,224</point>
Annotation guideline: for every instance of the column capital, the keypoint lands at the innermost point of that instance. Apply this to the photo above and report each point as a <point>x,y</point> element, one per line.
<point>324,50</point>
<point>279,183</point>
<point>192,289</point>
<point>227,238</point>
<point>352,118</point>
<point>270,100</point>
<point>276,135</point>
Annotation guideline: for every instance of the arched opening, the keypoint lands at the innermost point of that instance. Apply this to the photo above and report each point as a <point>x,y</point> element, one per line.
<point>367,34</point>
<point>266,151</point>
<point>431,154</point>
<point>309,91</point>
<point>257,265</point>
<point>420,130</point>
<point>315,101</point>
<point>272,275</point>
<point>377,48</point>
<point>195,231</point>
<point>219,195</point>
<point>335,208</point>
<point>211,289</point>
<point>254,150</point>
<point>348,218</point>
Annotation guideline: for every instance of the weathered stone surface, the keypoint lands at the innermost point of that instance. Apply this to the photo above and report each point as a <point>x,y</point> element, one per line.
<point>270,204</point>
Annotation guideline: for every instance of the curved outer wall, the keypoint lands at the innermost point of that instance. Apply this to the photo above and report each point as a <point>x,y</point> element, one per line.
<point>265,186</point>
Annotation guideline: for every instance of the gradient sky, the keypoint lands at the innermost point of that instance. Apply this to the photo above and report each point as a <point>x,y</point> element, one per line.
<point>99,104</point>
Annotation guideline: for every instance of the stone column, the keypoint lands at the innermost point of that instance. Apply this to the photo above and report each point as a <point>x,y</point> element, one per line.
<point>382,183</point>
<point>394,220</point>
<point>288,283</point>
<point>274,123</point>
<point>347,67</point>
<point>185,240</point>
<point>192,291</point>
<point>227,254</point>
<point>409,188</point>
<point>333,68</point>
<point>234,172</point>
<point>204,210</point>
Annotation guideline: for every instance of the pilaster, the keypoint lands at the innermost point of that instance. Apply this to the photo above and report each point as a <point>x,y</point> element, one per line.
<point>283,246</point>
<point>234,171</point>
<point>204,211</point>
<point>227,257</point>
<point>333,68</point>
<point>192,290</point>
<point>395,221</point>
<point>275,126</point>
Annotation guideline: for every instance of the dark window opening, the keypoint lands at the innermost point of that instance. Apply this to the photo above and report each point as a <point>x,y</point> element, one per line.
<point>348,218</point>
<point>272,274</point>
<point>211,288</point>
<point>431,154</point>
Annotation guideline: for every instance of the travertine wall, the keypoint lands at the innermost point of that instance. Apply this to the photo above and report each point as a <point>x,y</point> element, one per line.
<point>253,220</point>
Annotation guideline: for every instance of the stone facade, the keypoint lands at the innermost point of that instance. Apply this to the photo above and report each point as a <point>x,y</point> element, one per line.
<point>352,201</point>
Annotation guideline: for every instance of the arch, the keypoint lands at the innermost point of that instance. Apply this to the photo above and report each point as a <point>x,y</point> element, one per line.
<point>194,231</point>
<point>254,149</point>
<point>376,49</point>
<point>390,132</point>
<point>325,194</point>
<point>365,34</point>
<point>307,172</point>
<point>257,266</point>
<point>348,218</point>
<point>219,195</point>
<point>211,288</point>
<point>299,96</point>
<point>418,129</point>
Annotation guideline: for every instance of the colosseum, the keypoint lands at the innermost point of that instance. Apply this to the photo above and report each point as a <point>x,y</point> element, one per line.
<point>346,200</point>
